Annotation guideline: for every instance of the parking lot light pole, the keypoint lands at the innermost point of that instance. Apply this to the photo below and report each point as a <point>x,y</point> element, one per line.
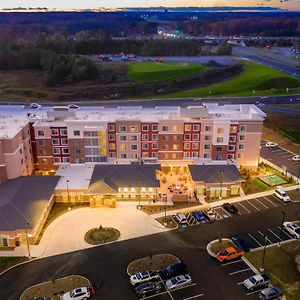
<point>139,194</point>
<point>67,183</point>
<point>262,268</point>
<point>27,241</point>
<point>281,228</point>
<point>221,183</point>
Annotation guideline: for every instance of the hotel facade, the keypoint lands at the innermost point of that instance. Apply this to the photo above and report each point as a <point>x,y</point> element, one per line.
<point>46,138</point>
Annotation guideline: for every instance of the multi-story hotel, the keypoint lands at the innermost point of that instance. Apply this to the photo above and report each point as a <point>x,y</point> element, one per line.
<point>49,137</point>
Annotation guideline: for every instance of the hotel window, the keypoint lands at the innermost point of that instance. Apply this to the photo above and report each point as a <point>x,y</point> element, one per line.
<point>154,137</point>
<point>174,155</point>
<point>54,131</point>
<point>242,137</point>
<point>55,141</point>
<point>154,146</point>
<point>243,128</point>
<point>56,150</point>
<point>220,130</point>
<point>20,151</point>
<point>43,152</point>
<point>165,137</point>
<point>76,142</point>
<point>63,132</point>
<point>195,146</point>
<point>220,140</point>
<point>133,138</point>
<point>186,154</point>
<point>195,154</point>
<point>207,137</point>
<point>154,154</point>
<point>112,154</point>
<point>187,137</point>
<point>241,146</point>
<point>77,151</point>
<point>145,146</point>
<point>230,156</point>
<point>240,155</point>
<point>206,146</point>
<point>196,137</point>
<point>187,127</point>
<point>123,155</point>
<point>76,132</point>
<point>123,147</point>
<point>175,128</point>
<point>176,137</point>
<point>134,155</point>
<point>219,149</point>
<point>165,147</point>
<point>207,128</point>
<point>65,159</point>
<point>196,127</point>
<point>154,127</point>
<point>56,160</point>
<point>64,141</point>
<point>41,142</point>
<point>77,160</point>
<point>165,128</point>
<point>233,129</point>
<point>186,146</point>
<point>41,133</point>
<point>90,133</point>
<point>175,147</point>
<point>133,128</point>
<point>123,128</point>
<point>231,148</point>
<point>133,147</point>
<point>65,151</point>
<point>123,138</point>
<point>111,137</point>
<point>145,137</point>
<point>145,127</point>
<point>145,154</point>
<point>112,146</point>
<point>232,138</point>
<point>111,127</point>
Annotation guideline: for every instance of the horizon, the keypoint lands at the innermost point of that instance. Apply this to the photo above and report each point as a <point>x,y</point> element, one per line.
<point>117,4</point>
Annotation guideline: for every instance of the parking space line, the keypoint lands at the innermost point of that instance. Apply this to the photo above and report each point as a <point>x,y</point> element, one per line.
<point>261,203</point>
<point>265,236</point>
<point>184,287</point>
<point>240,271</point>
<point>255,239</point>
<point>285,232</point>
<point>193,297</point>
<point>155,295</point>
<point>249,211</point>
<point>270,201</point>
<point>278,200</point>
<point>166,288</point>
<point>226,213</point>
<point>256,291</point>
<point>232,262</point>
<point>275,234</point>
<point>240,283</point>
<point>218,215</point>
<point>252,205</point>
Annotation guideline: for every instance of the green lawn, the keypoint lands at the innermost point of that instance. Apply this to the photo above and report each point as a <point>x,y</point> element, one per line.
<point>151,71</point>
<point>7,262</point>
<point>255,77</point>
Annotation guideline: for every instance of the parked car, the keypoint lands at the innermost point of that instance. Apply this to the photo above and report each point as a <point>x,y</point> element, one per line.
<point>181,218</point>
<point>41,298</point>
<point>282,195</point>
<point>292,228</point>
<point>81,293</point>
<point>270,293</point>
<point>178,281</point>
<point>73,106</point>
<point>173,270</point>
<point>239,242</point>
<point>142,277</point>
<point>147,289</point>
<point>198,215</point>
<point>35,105</point>
<point>229,253</point>
<point>271,145</point>
<point>296,158</point>
<point>256,281</point>
<point>209,215</point>
<point>230,208</point>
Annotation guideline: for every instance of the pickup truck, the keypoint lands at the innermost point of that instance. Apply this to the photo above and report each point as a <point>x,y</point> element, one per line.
<point>256,281</point>
<point>229,253</point>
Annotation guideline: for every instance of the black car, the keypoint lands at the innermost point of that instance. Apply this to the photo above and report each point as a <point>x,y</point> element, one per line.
<point>241,243</point>
<point>173,270</point>
<point>230,208</point>
<point>148,288</point>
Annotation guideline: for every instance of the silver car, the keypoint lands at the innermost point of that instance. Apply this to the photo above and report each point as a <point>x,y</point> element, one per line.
<point>178,282</point>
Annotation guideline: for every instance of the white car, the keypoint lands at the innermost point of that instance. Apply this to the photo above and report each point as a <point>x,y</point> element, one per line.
<point>35,105</point>
<point>73,106</point>
<point>293,229</point>
<point>81,293</point>
<point>271,145</point>
<point>282,195</point>
<point>142,277</point>
<point>181,218</point>
<point>296,158</point>
<point>178,282</point>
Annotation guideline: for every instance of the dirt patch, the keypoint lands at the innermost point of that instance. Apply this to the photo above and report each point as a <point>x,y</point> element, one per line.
<point>217,246</point>
<point>167,222</point>
<point>152,263</point>
<point>101,235</point>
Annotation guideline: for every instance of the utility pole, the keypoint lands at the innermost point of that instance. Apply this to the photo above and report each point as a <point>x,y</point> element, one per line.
<point>281,228</point>
<point>27,242</point>
<point>139,194</point>
<point>221,183</point>
<point>262,268</point>
<point>67,183</point>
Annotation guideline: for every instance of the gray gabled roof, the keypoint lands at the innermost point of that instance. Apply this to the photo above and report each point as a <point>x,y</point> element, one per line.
<point>108,178</point>
<point>24,199</point>
<point>213,173</point>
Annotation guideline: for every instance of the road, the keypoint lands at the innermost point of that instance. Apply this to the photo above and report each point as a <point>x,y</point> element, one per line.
<point>108,263</point>
<point>276,61</point>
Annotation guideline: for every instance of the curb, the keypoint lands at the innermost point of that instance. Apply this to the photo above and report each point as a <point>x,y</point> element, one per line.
<point>208,249</point>
<point>248,263</point>
<point>273,245</point>
<point>136,260</point>
<point>19,264</point>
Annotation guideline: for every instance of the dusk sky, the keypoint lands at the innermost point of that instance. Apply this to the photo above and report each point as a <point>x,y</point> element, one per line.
<point>68,4</point>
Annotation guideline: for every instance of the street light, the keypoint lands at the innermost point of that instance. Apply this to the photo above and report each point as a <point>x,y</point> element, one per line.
<point>67,183</point>
<point>281,228</point>
<point>221,183</point>
<point>262,268</point>
<point>139,194</point>
<point>27,242</point>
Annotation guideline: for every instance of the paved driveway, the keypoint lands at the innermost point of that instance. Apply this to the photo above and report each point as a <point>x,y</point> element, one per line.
<point>66,233</point>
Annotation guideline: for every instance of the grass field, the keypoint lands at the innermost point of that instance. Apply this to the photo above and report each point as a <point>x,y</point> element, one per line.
<point>255,77</point>
<point>151,71</point>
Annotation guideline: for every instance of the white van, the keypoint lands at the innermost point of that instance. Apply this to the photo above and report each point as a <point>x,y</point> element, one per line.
<point>181,218</point>
<point>282,195</point>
